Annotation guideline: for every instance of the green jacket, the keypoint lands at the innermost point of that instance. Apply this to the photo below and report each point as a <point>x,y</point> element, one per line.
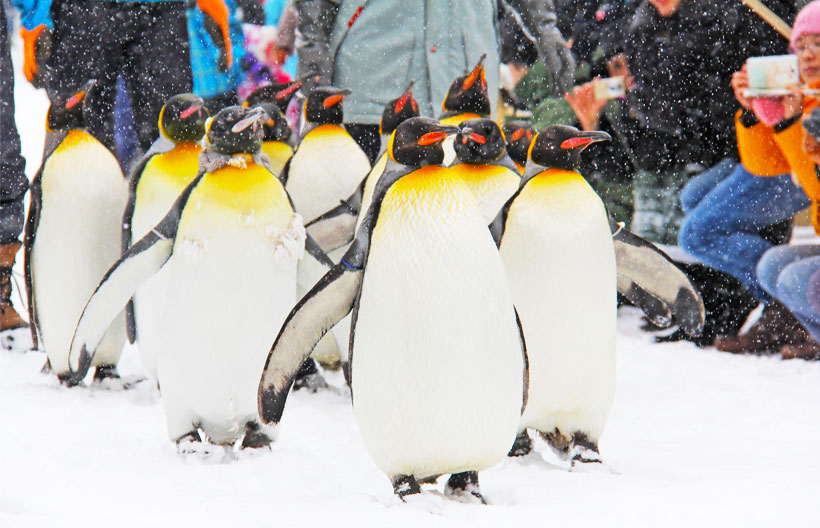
<point>376,47</point>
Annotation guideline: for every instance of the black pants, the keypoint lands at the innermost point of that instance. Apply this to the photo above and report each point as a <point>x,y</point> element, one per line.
<point>13,182</point>
<point>146,42</point>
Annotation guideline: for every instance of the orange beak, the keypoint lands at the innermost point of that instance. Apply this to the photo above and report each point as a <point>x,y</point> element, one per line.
<point>476,74</point>
<point>572,143</point>
<point>188,112</point>
<point>432,137</point>
<point>517,134</point>
<point>478,138</point>
<point>281,94</point>
<point>332,100</point>
<point>76,98</point>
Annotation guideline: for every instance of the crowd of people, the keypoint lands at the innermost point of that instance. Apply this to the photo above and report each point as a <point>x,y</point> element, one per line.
<point>693,163</point>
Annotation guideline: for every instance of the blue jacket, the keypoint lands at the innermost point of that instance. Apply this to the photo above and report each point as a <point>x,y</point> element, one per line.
<point>208,80</point>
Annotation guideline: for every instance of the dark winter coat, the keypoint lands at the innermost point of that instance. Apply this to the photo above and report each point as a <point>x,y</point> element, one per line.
<point>682,67</point>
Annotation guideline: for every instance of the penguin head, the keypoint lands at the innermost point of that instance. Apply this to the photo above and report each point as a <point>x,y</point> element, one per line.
<point>67,109</point>
<point>479,141</point>
<point>236,130</point>
<point>398,110</point>
<point>417,142</point>
<point>324,105</point>
<point>274,125</point>
<point>183,117</point>
<point>468,93</point>
<point>279,94</point>
<point>519,135</point>
<point>560,146</point>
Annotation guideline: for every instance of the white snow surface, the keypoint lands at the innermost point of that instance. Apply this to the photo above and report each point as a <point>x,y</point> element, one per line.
<point>696,438</point>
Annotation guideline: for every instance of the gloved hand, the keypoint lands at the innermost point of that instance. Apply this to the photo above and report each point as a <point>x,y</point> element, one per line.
<point>216,24</point>
<point>36,51</point>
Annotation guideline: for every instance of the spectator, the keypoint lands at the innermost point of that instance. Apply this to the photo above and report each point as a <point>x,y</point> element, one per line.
<point>13,186</point>
<point>377,48</point>
<point>723,230</point>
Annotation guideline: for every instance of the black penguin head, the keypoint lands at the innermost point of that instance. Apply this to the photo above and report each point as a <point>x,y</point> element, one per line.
<point>236,130</point>
<point>279,94</point>
<point>67,109</point>
<point>183,117</point>
<point>468,93</point>
<point>479,141</point>
<point>417,142</point>
<point>274,125</point>
<point>560,146</point>
<point>519,135</point>
<point>398,110</point>
<point>324,105</point>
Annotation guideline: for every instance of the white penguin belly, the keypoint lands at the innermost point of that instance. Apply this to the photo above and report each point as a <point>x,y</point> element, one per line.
<point>78,238</point>
<point>326,168</point>
<point>229,290</point>
<point>437,367</point>
<point>557,250</point>
<point>492,186</point>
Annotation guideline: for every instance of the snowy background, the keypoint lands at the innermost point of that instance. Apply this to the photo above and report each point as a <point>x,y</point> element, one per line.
<point>696,438</point>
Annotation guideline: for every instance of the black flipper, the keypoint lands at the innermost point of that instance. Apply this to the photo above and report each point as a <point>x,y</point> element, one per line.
<point>138,264</point>
<point>32,223</point>
<point>337,227</point>
<point>653,282</point>
<point>327,303</point>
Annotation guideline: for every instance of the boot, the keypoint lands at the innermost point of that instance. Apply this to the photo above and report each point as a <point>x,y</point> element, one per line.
<point>808,350</point>
<point>9,318</point>
<point>775,328</point>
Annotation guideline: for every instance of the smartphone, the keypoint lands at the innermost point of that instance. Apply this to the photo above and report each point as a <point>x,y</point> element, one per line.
<point>609,88</point>
<point>772,75</point>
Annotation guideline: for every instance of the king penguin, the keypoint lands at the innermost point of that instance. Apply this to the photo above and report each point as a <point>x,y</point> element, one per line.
<point>275,138</point>
<point>466,99</point>
<point>338,226</point>
<point>437,357</point>
<point>328,164</point>
<point>73,234</point>
<point>156,182</point>
<point>234,220</point>
<point>519,135</point>
<point>484,165</point>
<point>556,241</point>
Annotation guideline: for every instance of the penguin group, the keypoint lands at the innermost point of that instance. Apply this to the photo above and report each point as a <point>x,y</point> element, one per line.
<point>470,275</point>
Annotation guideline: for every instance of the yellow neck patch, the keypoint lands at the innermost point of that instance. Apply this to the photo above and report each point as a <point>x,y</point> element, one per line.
<point>74,139</point>
<point>458,119</point>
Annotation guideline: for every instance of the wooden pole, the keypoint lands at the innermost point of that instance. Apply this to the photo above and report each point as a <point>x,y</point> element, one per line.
<point>770,17</point>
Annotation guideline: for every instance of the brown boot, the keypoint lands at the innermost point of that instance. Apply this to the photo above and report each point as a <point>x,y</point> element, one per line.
<point>808,350</point>
<point>9,318</point>
<point>776,327</point>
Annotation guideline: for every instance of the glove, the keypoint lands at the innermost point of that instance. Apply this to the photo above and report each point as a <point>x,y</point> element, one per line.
<point>216,24</point>
<point>36,51</point>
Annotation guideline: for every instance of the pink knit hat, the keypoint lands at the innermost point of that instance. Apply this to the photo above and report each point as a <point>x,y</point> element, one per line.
<point>806,22</point>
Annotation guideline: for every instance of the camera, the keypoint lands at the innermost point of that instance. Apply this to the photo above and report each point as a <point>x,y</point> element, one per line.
<point>609,88</point>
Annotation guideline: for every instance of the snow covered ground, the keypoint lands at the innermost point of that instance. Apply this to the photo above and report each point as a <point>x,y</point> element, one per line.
<point>696,438</point>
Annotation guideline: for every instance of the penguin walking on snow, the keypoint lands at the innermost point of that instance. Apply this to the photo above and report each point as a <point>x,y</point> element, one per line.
<point>156,182</point>
<point>437,359</point>
<point>556,242</point>
<point>519,135</point>
<point>235,219</point>
<point>73,234</point>
<point>484,165</point>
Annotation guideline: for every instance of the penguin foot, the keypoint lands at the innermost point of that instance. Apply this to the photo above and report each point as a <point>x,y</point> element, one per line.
<point>104,372</point>
<point>464,486</point>
<point>585,450</point>
<point>406,485</point>
<point>522,445</point>
<point>46,368</point>
<point>560,443</point>
<point>192,446</point>
<point>254,438</point>
<point>309,378</point>
<point>16,339</point>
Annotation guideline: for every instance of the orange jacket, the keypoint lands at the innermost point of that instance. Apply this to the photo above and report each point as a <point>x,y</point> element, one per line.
<point>765,152</point>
